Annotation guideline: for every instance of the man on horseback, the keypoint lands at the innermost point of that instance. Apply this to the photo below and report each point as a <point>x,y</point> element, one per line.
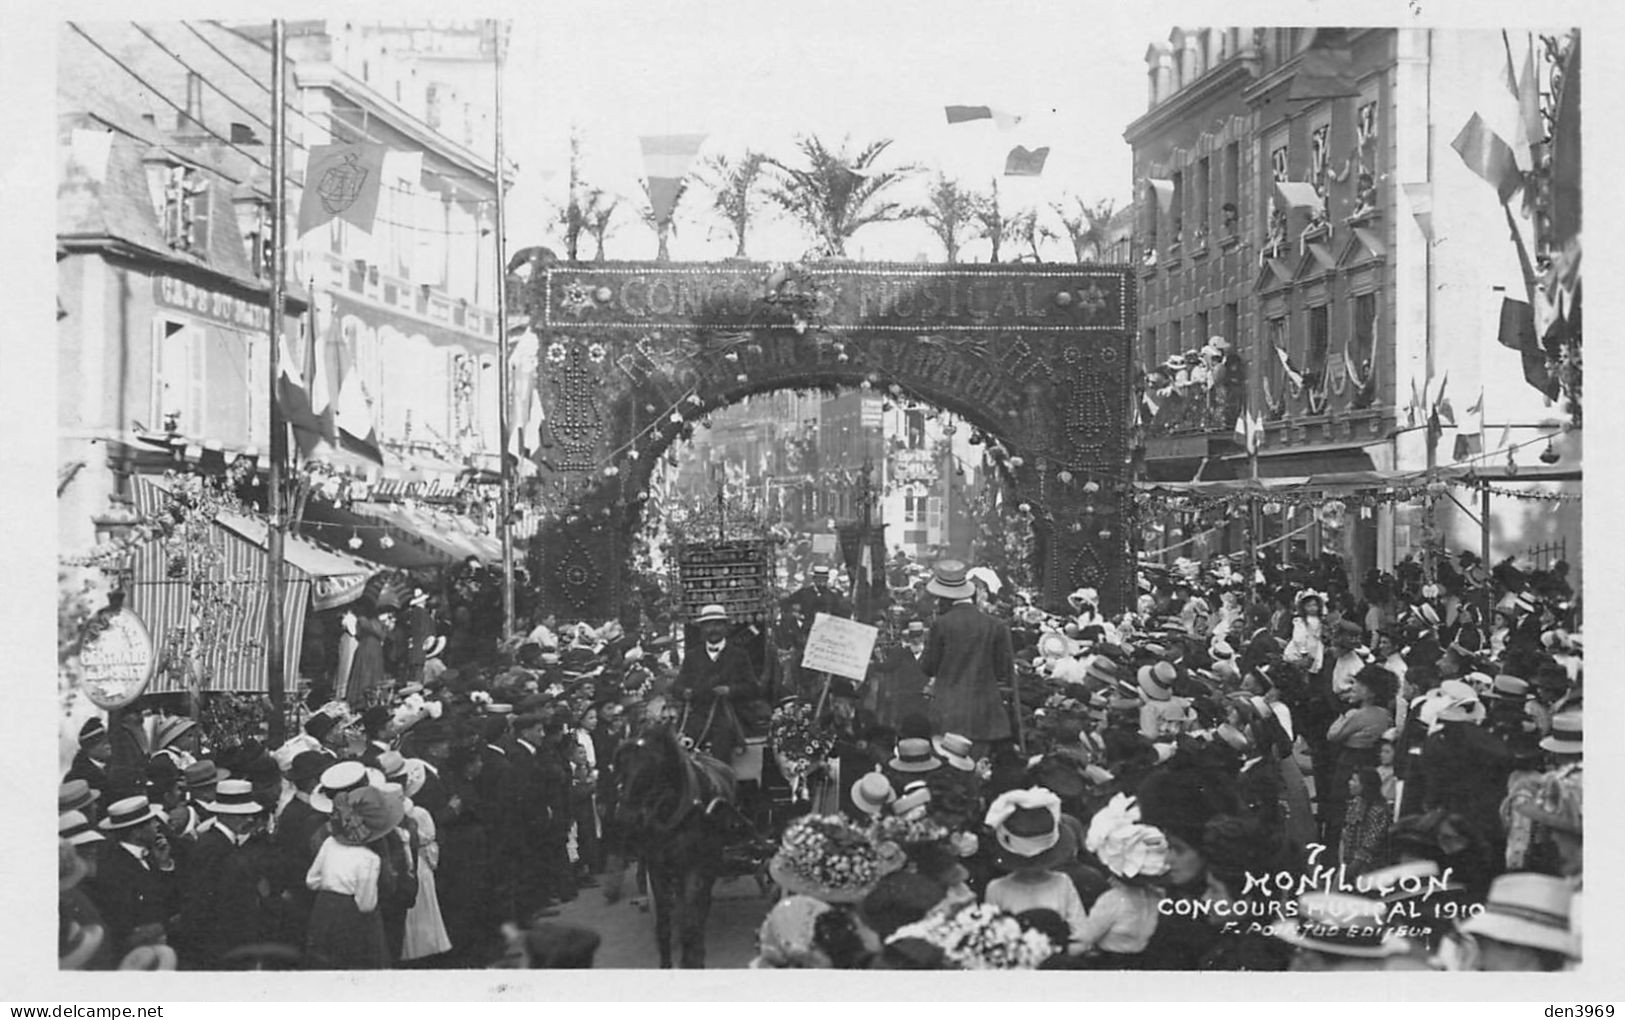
<point>716,679</point>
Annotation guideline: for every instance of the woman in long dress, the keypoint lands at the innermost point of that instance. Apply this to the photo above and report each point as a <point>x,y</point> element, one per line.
<point>346,928</point>
<point>425,928</point>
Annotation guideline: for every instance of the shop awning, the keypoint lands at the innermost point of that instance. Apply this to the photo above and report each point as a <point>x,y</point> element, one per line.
<point>225,604</point>
<point>418,538</point>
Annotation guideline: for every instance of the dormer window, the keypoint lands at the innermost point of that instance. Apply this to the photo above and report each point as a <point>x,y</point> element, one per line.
<point>181,201</point>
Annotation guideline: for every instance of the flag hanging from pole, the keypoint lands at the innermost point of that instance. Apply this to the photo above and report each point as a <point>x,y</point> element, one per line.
<point>1002,119</point>
<point>1164,190</point>
<point>1297,195</point>
<point>1470,438</point>
<point>341,182</point>
<point>1489,156</point>
<point>1024,162</point>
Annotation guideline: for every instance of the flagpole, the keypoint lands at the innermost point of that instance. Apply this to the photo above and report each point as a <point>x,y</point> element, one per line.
<point>274,664</point>
<point>504,369</point>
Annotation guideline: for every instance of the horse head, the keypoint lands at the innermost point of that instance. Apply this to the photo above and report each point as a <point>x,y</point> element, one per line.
<point>648,768</point>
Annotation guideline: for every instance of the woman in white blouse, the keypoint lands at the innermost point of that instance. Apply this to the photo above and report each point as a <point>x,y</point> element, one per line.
<point>346,930</point>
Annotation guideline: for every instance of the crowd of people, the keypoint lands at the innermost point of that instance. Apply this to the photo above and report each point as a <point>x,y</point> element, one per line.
<point>1260,772</point>
<point>1255,773</point>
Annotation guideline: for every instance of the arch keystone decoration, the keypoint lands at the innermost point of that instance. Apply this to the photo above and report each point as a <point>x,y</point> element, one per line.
<point>630,355</point>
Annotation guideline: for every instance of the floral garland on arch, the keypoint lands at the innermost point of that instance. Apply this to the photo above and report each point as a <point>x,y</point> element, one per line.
<point>800,744</point>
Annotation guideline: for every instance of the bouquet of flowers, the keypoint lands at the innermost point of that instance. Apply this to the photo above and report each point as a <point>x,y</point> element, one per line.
<point>1126,847</point>
<point>980,936</point>
<point>799,743</point>
<point>907,831</point>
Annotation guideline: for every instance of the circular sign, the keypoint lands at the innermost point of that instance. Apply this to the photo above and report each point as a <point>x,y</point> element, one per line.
<point>118,661</point>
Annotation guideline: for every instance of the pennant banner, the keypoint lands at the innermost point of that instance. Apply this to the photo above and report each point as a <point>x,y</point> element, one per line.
<point>1489,156</point>
<point>669,155</point>
<point>663,192</point>
<point>341,182</point>
<point>1420,196</point>
<point>1025,163</point>
<point>962,114</point>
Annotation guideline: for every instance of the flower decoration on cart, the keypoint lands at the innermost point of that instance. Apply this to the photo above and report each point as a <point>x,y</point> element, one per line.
<point>800,745</point>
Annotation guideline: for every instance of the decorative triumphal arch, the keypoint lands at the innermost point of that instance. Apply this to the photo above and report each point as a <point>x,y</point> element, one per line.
<point>631,355</point>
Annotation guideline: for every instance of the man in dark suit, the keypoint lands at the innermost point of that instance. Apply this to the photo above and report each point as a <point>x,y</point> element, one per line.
<point>818,597</point>
<point>897,683</point>
<point>716,680</point>
<point>90,762</point>
<point>528,797</point>
<point>227,900</point>
<point>135,886</point>
<point>494,791</point>
<point>967,656</point>
<point>296,828</point>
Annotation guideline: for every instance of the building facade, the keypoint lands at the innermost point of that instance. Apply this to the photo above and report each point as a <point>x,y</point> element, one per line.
<point>402,332</point>
<point>1320,266</point>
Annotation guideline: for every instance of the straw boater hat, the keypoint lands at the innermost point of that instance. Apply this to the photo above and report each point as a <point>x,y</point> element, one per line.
<point>710,613</point>
<point>955,750</point>
<point>948,581</point>
<point>74,827</point>
<point>75,795</point>
<point>820,571</point>
<point>234,797</point>
<point>1341,925</point>
<point>432,647</point>
<point>1156,682</point>
<point>203,774</point>
<point>128,813</point>
<point>92,731</point>
<point>1027,830</point>
<point>340,778</point>
<point>1506,687</point>
<point>1527,909</point>
<point>872,793</point>
<point>1460,703</point>
<point>1565,736</point>
<point>914,754</point>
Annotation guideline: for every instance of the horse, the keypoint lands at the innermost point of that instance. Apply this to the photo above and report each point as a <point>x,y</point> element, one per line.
<point>675,810</point>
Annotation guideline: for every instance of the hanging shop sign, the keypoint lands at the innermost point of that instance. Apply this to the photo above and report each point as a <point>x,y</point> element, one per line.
<point>212,305</point>
<point>118,661</point>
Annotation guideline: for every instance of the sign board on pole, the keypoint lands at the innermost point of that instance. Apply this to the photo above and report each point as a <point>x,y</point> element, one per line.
<point>823,544</point>
<point>840,646</point>
<point>118,661</point>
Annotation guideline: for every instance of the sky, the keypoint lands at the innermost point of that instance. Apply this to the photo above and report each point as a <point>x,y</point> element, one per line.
<point>757,74</point>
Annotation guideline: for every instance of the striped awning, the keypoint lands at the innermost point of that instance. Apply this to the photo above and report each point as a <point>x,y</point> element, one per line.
<point>231,644</point>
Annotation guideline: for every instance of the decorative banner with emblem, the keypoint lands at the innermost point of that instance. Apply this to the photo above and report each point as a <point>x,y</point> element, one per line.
<point>632,355</point>
<point>118,660</point>
<point>738,576</point>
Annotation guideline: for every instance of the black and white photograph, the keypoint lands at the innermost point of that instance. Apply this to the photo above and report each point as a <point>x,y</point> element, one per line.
<point>870,487</point>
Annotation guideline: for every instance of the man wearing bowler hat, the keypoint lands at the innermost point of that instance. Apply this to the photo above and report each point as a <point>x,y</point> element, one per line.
<point>968,656</point>
<point>818,597</point>
<point>716,679</point>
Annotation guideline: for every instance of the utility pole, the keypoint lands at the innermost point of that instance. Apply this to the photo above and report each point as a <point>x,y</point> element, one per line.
<point>275,685</point>
<point>504,352</point>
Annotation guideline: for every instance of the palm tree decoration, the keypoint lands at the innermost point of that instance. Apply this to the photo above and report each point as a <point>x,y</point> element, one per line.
<point>597,213</point>
<point>949,211</point>
<point>1089,228</point>
<point>837,193</point>
<point>992,221</point>
<point>733,185</point>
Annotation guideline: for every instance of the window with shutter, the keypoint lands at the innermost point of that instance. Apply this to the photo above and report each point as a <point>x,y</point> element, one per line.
<point>197,208</point>
<point>177,376</point>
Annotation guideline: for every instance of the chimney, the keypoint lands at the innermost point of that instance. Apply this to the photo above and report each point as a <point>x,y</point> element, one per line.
<point>191,122</point>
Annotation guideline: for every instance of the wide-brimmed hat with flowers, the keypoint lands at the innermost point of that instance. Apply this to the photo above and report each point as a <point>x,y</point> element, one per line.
<point>828,858</point>
<point>1126,847</point>
<point>365,815</point>
<point>979,936</point>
